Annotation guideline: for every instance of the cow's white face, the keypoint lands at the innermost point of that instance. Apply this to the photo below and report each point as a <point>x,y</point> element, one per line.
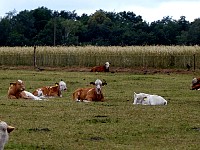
<point>63,86</point>
<point>98,84</point>
<point>107,65</point>
<point>139,98</point>
<point>194,81</point>
<point>4,130</point>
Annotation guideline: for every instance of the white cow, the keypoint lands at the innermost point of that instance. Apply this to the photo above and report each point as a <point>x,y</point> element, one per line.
<point>148,99</point>
<point>31,96</point>
<point>4,130</point>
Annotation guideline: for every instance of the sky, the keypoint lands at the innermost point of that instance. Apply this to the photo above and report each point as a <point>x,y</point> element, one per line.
<point>150,10</point>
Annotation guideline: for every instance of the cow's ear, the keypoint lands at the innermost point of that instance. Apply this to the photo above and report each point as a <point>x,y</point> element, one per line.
<point>104,83</point>
<point>11,84</point>
<point>56,84</point>
<point>92,83</point>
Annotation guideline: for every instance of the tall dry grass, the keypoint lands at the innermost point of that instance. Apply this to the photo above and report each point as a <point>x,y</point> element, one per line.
<point>130,56</point>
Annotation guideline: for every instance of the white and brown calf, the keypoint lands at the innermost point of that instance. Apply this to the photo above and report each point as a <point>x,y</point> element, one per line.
<point>51,91</point>
<point>90,94</point>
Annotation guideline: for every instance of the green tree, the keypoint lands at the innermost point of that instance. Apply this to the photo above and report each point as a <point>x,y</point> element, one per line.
<point>194,33</point>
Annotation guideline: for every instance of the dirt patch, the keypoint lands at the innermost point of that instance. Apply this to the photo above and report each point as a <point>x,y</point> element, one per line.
<point>112,69</point>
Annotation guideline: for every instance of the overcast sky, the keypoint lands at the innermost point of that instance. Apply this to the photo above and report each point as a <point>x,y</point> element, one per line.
<point>150,10</point>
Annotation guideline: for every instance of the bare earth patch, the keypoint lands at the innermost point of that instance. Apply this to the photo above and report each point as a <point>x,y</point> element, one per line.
<point>112,69</point>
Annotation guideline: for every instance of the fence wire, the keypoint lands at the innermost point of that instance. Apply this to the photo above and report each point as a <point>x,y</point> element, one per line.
<point>83,60</point>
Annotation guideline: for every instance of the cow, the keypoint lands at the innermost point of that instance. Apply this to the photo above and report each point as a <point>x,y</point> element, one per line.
<point>195,84</point>
<point>4,136</point>
<point>15,90</point>
<point>29,95</point>
<point>51,91</point>
<point>104,68</point>
<point>148,99</point>
<point>90,94</point>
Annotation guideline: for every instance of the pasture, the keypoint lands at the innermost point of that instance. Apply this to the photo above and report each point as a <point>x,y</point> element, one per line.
<point>115,124</point>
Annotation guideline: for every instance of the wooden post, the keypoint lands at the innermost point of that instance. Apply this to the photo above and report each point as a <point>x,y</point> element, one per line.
<point>194,62</point>
<point>34,57</point>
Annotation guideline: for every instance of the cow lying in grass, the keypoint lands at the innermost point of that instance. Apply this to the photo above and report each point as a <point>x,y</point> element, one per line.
<point>195,84</point>
<point>148,99</point>
<point>4,130</point>
<point>17,91</point>
<point>51,91</point>
<point>104,68</point>
<point>91,93</point>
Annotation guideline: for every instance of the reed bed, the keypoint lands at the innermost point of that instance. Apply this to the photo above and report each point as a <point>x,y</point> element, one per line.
<point>129,56</point>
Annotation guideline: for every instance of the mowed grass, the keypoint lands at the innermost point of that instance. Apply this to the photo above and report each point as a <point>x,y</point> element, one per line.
<point>116,124</point>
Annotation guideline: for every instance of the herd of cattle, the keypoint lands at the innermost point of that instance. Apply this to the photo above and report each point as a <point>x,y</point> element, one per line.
<point>88,94</point>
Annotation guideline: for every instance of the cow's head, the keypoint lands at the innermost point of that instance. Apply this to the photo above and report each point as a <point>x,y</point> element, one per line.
<point>139,98</point>
<point>19,85</point>
<point>107,65</point>
<point>62,85</point>
<point>5,128</point>
<point>98,85</point>
<point>194,81</point>
<point>195,84</point>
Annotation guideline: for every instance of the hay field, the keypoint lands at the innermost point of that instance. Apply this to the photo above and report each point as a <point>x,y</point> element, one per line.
<point>130,56</point>
<point>115,124</point>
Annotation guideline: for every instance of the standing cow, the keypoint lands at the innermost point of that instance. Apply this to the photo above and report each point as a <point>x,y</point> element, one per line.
<point>91,93</point>
<point>148,99</point>
<point>104,68</point>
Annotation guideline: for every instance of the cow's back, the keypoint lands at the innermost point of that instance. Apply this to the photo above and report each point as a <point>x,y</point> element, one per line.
<point>157,100</point>
<point>43,91</point>
<point>81,93</point>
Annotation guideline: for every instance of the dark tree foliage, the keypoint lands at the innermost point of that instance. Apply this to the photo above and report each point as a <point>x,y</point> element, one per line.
<point>43,26</point>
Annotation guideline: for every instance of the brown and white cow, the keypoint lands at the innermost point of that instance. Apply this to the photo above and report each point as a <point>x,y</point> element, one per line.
<point>195,84</point>
<point>51,91</point>
<point>90,94</point>
<point>4,131</point>
<point>15,90</point>
<point>104,68</point>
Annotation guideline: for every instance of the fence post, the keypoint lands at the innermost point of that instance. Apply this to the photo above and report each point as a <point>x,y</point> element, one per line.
<point>34,57</point>
<point>194,62</point>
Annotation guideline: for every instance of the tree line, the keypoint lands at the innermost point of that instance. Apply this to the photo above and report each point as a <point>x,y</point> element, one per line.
<point>43,26</point>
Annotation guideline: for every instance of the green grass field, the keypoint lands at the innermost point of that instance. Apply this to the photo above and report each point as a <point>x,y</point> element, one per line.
<point>116,124</point>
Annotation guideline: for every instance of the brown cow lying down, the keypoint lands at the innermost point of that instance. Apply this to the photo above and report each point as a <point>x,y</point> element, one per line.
<point>104,68</point>
<point>195,84</point>
<point>4,130</point>
<point>17,90</point>
<point>51,91</point>
<point>91,93</point>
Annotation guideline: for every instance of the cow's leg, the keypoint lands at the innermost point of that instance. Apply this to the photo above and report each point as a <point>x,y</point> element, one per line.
<point>86,101</point>
<point>76,96</point>
<point>12,97</point>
